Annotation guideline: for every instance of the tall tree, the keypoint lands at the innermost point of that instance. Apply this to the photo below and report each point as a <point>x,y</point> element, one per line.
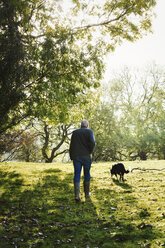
<point>129,122</point>
<point>48,58</point>
<point>54,137</point>
<point>16,53</point>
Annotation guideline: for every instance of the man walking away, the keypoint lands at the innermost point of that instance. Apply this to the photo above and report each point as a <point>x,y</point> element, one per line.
<point>80,151</point>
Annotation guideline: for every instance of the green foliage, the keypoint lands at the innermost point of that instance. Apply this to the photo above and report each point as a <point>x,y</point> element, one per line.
<point>106,133</point>
<point>16,66</point>
<point>66,74</point>
<point>49,60</point>
<point>128,124</point>
<point>39,210</point>
<point>117,20</point>
<point>20,145</point>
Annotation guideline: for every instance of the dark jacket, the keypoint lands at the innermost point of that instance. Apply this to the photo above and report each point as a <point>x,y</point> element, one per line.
<point>82,143</point>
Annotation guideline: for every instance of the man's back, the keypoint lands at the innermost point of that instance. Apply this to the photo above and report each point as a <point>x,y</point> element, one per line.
<point>82,142</point>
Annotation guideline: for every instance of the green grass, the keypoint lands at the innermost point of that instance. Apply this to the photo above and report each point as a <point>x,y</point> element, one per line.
<point>37,207</point>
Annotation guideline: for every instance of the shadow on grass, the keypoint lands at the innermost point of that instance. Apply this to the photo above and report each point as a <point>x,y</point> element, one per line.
<point>119,228</point>
<point>10,184</point>
<point>123,185</point>
<point>52,171</point>
<point>45,215</point>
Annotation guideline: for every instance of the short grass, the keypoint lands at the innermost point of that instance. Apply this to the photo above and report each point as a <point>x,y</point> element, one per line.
<point>37,207</point>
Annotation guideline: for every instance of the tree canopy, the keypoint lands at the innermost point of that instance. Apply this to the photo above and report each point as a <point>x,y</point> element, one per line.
<point>128,123</point>
<point>50,55</point>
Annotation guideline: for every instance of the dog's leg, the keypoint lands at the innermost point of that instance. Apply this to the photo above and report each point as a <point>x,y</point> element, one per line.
<point>123,177</point>
<point>120,176</point>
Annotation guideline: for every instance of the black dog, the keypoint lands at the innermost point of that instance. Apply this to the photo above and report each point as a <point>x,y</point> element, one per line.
<point>118,169</point>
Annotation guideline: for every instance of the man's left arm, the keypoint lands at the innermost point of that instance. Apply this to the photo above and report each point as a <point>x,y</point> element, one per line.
<point>91,141</point>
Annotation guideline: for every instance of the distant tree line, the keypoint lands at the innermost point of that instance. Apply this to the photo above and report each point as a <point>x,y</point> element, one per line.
<point>129,122</point>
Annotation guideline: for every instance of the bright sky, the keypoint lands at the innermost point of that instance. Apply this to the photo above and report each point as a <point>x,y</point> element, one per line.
<point>145,51</point>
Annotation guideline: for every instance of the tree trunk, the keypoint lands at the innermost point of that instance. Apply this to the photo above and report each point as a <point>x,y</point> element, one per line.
<point>142,155</point>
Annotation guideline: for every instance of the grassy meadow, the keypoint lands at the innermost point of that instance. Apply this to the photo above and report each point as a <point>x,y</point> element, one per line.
<point>37,207</point>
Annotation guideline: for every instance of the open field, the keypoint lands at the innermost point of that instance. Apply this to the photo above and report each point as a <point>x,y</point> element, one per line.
<point>37,207</point>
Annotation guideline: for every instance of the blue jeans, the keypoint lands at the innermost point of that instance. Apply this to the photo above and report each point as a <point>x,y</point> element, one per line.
<point>78,163</point>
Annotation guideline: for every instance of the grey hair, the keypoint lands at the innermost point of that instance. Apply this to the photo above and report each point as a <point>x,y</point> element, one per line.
<point>84,123</point>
